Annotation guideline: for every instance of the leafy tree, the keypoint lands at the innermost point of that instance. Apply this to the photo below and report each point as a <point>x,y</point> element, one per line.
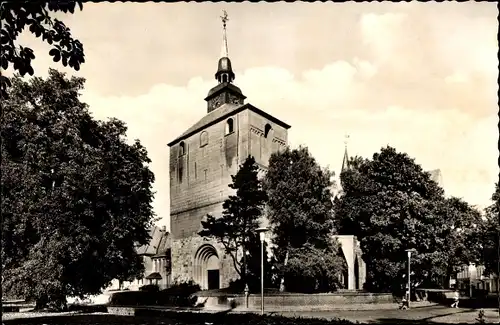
<point>16,15</point>
<point>385,206</point>
<point>391,205</point>
<point>236,228</point>
<point>490,237</point>
<point>461,227</point>
<point>76,198</point>
<point>253,262</point>
<point>299,209</point>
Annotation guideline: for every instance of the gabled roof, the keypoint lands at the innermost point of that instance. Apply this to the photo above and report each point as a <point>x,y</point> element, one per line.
<point>154,276</point>
<point>164,245</point>
<point>157,244</point>
<point>221,113</point>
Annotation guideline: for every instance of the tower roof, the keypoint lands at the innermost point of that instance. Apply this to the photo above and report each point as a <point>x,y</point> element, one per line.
<point>225,92</point>
<point>223,112</point>
<point>224,68</point>
<point>345,162</point>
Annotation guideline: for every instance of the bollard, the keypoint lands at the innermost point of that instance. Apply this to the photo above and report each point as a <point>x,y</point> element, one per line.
<point>247,294</point>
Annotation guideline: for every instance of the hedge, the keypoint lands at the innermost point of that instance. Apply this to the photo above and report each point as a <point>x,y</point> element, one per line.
<point>181,295</point>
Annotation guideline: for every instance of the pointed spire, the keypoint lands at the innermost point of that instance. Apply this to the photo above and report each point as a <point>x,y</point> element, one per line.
<point>345,161</point>
<point>224,51</point>
<point>225,72</point>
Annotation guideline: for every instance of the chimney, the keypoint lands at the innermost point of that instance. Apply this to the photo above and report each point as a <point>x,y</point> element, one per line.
<point>164,228</point>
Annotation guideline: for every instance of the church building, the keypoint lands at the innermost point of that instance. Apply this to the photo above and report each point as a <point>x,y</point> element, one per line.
<point>202,160</point>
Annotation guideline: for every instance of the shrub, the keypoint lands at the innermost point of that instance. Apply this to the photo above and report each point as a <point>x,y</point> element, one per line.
<point>181,295</point>
<point>134,298</point>
<point>150,288</point>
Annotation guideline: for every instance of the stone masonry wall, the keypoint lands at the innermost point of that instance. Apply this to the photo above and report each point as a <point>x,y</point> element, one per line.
<point>199,182</point>
<point>183,260</point>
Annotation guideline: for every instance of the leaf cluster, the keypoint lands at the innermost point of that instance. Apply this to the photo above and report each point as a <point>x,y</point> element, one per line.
<point>76,197</point>
<point>299,205</point>
<point>36,16</point>
<point>391,205</point>
<point>491,232</point>
<point>311,269</point>
<point>300,212</point>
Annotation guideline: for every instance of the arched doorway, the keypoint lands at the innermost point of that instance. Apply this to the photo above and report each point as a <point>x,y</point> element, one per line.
<point>206,267</point>
<point>356,273</point>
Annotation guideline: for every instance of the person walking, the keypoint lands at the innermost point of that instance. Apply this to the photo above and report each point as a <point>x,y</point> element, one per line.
<point>456,297</point>
<point>405,301</point>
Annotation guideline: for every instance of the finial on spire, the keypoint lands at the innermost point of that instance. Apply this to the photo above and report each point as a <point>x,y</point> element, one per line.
<point>224,19</point>
<point>346,139</point>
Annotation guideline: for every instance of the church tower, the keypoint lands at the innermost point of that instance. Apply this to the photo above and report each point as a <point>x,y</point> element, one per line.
<point>202,160</point>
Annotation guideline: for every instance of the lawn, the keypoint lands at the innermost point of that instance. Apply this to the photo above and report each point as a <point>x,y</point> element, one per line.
<point>169,318</point>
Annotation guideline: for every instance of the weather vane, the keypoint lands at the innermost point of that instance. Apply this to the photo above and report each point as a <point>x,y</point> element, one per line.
<point>346,139</point>
<point>224,18</point>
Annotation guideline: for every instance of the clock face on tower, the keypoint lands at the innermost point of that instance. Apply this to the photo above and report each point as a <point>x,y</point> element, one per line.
<point>235,100</point>
<point>224,98</point>
<point>217,101</point>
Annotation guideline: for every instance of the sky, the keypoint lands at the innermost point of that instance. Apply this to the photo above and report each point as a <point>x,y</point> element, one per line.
<point>420,77</point>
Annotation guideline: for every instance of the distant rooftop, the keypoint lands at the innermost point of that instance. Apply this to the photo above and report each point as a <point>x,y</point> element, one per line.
<point>159,244</point>
<point>437,176</point>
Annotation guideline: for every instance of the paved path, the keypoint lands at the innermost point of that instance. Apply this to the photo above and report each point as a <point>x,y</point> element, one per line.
<point>439,314</point>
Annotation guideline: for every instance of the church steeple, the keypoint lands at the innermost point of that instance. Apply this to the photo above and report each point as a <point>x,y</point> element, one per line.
<point>345,162</point>
<point>224,70</point>
<point>225,92</point>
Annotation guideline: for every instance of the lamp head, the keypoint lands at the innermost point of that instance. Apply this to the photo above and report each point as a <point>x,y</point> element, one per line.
<point>410,251</point>
<point>262,232</point>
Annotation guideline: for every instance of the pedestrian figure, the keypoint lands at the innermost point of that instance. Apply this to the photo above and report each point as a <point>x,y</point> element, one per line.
<point>404,302</point>
<point>456,297</point>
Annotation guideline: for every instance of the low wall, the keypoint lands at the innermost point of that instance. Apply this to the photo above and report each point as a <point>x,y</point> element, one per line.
<point>294,300</point>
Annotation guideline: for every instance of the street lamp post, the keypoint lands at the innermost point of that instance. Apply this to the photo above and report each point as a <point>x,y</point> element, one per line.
<point>262,234</point>
<point>409,251</point>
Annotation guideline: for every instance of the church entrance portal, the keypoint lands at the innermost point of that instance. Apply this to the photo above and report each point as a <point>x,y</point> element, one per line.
<point>206,268</point>
<point>213,279</point>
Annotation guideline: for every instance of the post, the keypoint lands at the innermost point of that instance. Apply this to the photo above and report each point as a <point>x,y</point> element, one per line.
<point>261,232</point>
<point>409,251</point>
<point>262,275</point>
<point>409,282</point>
<point>247,294</point>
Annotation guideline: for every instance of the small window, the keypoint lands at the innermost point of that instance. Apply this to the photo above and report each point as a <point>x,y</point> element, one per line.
<point>229,126</point>
<point>224,78</point>
<point>182,149</point>
<point>267,129</point>
<point>203,138</point>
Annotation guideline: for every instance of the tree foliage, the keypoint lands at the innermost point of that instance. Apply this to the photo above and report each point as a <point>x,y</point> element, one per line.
<point>491,233</point>
<point>300,213</point>
<point>76,198</point>
<point>253,264</point>
<point>36,16</point>
<point>392,205</point>
<point>311,269</point>
<point>236,228</point>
